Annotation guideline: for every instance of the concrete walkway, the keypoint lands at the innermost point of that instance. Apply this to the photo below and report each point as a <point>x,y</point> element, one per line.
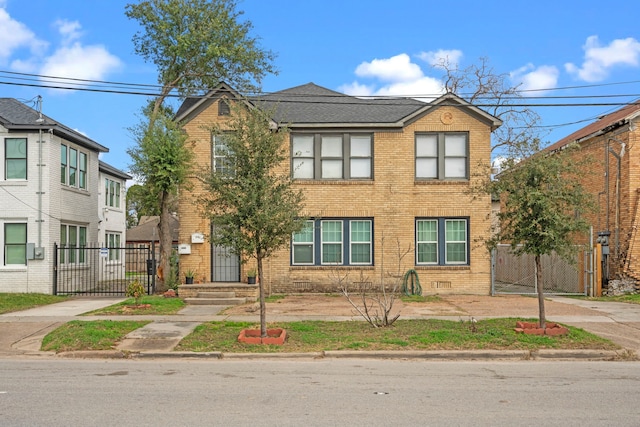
<point>21,333</point>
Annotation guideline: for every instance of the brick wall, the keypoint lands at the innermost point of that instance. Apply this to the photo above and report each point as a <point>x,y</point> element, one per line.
<point>394,199</point>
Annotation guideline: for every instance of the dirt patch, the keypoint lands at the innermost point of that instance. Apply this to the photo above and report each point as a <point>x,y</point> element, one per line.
<point>448,305</point>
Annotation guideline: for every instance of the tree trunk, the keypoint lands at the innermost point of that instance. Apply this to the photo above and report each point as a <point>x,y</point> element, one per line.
<point>540,289</point>
<point>263,307</point>
<point>166,241</point>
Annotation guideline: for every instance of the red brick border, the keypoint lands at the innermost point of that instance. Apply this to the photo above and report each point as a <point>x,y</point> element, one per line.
<point>275,336</point>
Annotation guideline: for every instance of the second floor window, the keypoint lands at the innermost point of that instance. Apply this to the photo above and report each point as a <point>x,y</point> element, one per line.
<point>73,167</point>
<point>112,193</point>
<point>332,156</point>
<point>15,158</point>
<point>442,155</point>
<point>221,162</point>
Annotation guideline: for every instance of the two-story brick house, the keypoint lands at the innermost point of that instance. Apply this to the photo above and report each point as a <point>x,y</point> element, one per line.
<point>614,181</point>
<point>380,177</point>
<point>50,194</point>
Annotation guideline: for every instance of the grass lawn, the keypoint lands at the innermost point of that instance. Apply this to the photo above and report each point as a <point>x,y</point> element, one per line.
<point>17,302</point>
<point>633,299</point>
<point>428,334</point>
<point>94,335</point>
<point>157,305</point>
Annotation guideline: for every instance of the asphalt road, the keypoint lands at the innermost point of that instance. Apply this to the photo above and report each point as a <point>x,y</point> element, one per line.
<point>322,392</point>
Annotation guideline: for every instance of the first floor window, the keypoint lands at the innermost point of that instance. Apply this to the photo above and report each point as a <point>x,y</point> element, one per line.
<point>73,241</point>
<point>113,242</point>
<point>338,241</point>
<point>442,241</point>
<point>15,244</point>
<point>15,153</point>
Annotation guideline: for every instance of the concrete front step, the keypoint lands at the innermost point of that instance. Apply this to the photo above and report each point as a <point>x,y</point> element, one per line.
<point>215,301</point>
<point>216,294</point>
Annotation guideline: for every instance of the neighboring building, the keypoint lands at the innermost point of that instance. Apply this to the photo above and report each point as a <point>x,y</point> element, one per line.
<point>51,194</point>
<point>112,215</point>
<point>614,181</point>
<point>379,176</point>
<point>147,234</point>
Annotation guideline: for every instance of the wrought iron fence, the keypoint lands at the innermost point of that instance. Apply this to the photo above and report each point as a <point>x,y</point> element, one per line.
<point>102,270</point>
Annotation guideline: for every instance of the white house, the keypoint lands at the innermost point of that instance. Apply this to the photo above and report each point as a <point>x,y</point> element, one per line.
<point>50,194</point>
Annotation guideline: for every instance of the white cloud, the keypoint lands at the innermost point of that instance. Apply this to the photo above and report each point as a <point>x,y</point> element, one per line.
<point>69,30</point>
<point>15,35</point>
<point>425,89</point>
<point>81,62</point>
<point>434,58</point>
<point>398,68</point>
<point>599,60</point>
<point>357,89</point>
<point>537,79</point>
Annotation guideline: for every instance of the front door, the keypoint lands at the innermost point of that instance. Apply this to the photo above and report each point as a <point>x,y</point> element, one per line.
<point>225,265</point>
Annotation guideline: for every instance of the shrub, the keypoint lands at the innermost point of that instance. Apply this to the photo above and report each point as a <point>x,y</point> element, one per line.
<point>136,291</point>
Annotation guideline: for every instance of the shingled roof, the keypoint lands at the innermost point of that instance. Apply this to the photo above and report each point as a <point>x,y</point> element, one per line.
<point>604,123</point>
<point>310,105</point>
<point>16,116</point>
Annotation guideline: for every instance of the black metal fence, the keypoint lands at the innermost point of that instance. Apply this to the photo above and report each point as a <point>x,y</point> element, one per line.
<point>102,270</point>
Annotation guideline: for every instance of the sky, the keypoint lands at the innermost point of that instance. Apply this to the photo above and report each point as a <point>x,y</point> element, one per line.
<point>584,53</point>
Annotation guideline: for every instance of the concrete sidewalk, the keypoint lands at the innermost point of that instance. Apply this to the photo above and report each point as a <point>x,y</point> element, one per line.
<point>21,333</point>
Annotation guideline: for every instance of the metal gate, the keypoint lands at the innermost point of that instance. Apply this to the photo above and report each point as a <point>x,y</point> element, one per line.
<point>515,274</point>
<point>102,270</point>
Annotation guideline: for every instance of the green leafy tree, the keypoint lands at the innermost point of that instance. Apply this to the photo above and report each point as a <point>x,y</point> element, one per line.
<point>542,207</point>
<point>161,162</point>
<point>195,44</point>
<point>139,204</point>
<point>252,204</point>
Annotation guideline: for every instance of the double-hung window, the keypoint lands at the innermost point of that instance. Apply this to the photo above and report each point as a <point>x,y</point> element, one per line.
<point>113,243</point>
<point>442,241</point>
<point>336,241</point>
<point>15,244</point>
<point>15,158</point>
<point>73,167</point>
<point>332,156</point>
<point>221,163</point>
<point>73,241</point>
<point>443,155</point>
<point>111,193</point>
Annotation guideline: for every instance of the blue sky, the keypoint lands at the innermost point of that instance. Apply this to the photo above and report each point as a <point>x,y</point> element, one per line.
<point>585,50</point>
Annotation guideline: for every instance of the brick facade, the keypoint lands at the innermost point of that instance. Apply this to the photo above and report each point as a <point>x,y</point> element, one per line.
<point>393,199</point>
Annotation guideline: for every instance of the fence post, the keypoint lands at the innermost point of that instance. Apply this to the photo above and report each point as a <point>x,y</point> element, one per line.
<point>55,269</point>
<point>493,272</point>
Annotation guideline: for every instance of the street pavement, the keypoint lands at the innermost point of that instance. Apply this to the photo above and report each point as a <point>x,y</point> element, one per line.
<point>21,333</point>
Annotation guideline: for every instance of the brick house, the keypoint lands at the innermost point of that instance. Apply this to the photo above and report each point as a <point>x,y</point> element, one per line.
<point>380,177</point>
<point>52,187</point>
<point>614,181</point>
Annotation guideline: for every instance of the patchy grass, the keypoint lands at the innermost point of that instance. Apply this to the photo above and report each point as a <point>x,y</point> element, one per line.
<point>420,298</point>
<point>429,334</point>
<point>94,335</point>
<point>158,305</point>
<point>22,301</point>
<point>274,298</point>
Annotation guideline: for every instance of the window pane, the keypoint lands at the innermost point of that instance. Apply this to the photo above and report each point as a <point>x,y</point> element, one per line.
<point>303,254</point>
<point>456,241</point>
<point>456,253</point>
<point>15,233</point>
<point>117,194</point>
<point>63,242</point>
<point>455,145</point>
<point>73,241</point>
<point>361,253</point>
<point>360,231</point>
<point>303,146</point>
<point>82,240</point>
<point>456,230</point>
<point>426,168</point>
<point>331,254</point>
<point>331,231</point>
<point>16,254</point>
<point>361,146</point>
<point>360,168</point>
<point>331,146</point>
<point>305,235</point>
<point>332,168</point>
<point>303,168</point>
<point>73,158</point>
<point>16,169</point>
<point>16,148</point>
<point>428,231</point>
<point>455,168</point>
<point>427,253</point>
<point>426,146</point>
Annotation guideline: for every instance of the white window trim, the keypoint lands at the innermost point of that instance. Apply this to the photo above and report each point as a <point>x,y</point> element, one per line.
<point>369,242</point>
<point>341,242</point>
<point>313,246</point>
<point>3,265</point>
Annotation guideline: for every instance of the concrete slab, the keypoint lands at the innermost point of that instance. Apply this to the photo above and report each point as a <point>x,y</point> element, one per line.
<point>157,336</point>
<point>72,307</point>
<point>201,310</point>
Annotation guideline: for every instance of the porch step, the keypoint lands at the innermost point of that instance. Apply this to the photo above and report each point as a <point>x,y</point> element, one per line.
<point>217,294</point>
<point>215,301</point>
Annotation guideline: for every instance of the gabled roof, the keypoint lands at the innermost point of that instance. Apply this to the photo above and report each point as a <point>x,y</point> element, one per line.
<point>108,169</point>
<point>147,230</point>
<point>603,124</point>
<point>15,116</point>
<point>310,105</point>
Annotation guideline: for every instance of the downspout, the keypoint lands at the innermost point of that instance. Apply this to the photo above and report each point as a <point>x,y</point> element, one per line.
<point>40,121</point>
